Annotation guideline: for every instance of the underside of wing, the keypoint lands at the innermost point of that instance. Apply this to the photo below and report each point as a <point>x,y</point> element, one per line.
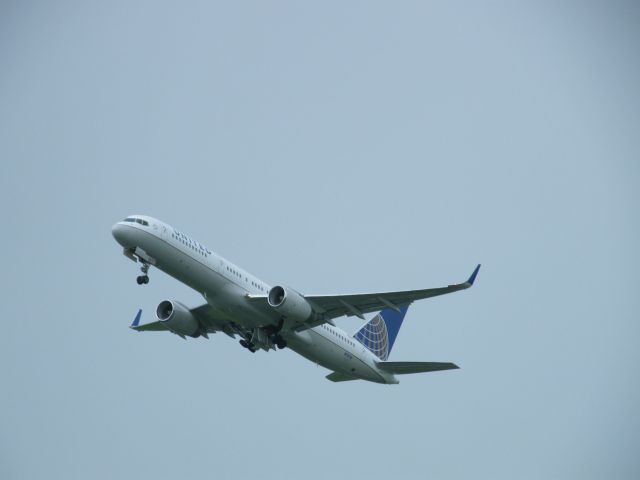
<point>209,322</point>
<point>150,327</point>
<point>209,319</point>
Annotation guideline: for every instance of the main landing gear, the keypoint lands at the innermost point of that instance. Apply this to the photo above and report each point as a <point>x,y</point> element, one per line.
<point>278,341</point>
<point>276,338</point>
<point>248,345</point>
<point>144,278</point>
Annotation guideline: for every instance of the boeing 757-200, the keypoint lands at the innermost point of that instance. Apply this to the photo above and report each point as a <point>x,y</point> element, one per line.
<point>268,317</point>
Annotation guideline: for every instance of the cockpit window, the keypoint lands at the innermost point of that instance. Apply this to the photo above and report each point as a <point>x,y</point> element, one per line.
<point>136,220</point>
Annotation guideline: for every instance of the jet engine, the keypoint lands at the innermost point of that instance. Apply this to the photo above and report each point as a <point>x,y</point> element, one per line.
<point>289,303</point>
<point>178,318</point>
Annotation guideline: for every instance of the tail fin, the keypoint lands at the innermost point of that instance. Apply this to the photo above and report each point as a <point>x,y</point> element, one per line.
<point>379,335</point>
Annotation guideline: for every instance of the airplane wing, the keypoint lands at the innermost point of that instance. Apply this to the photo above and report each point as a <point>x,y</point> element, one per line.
<point>147,327</point>
<point>329,307</point>
<point>208,318</point>
<point>150,327</point>
<point>204,313</point>
<point>333,306</point>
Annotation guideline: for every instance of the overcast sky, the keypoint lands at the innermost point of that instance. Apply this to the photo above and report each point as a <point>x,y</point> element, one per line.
<point>333,147</point>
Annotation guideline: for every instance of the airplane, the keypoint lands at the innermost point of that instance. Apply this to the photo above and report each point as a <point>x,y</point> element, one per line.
<point>268,317</point>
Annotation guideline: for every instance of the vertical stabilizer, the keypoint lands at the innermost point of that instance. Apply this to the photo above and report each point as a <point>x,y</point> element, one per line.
<point>379,335</point>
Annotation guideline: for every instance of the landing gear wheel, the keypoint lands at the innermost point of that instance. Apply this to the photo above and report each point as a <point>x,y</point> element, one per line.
<point>277,340</point>
<point>249,346</point>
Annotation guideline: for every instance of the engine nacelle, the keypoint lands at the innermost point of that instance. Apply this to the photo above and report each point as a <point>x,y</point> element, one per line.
<point>178,318</point>
<point>289,303</point>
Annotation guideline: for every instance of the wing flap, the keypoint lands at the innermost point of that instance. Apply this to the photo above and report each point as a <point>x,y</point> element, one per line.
<point>400,368</point>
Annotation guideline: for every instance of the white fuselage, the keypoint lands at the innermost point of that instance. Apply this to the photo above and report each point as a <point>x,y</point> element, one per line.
<point>225,287</point>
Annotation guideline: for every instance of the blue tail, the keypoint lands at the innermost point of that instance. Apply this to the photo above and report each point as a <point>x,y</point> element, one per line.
<point>379,335</point>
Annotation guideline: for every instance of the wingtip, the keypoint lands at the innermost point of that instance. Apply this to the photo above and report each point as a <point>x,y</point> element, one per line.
<point>136,321</point>
<point>473,276</point>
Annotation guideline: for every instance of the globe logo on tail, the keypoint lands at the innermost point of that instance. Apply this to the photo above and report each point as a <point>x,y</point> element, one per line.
<point>375,338</point>
<point>379,334</point>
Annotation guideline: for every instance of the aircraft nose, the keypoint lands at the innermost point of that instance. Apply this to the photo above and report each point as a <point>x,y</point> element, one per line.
<point>118,232</point>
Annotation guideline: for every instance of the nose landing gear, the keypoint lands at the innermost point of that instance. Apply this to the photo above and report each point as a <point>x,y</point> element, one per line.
<point>144,278</point>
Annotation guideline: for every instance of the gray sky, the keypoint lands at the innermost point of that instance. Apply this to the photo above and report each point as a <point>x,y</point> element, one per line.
<point>335,147</point>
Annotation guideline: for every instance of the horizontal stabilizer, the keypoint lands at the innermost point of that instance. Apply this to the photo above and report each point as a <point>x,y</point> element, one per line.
<point>400,368</point>
<point>339,377</point>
